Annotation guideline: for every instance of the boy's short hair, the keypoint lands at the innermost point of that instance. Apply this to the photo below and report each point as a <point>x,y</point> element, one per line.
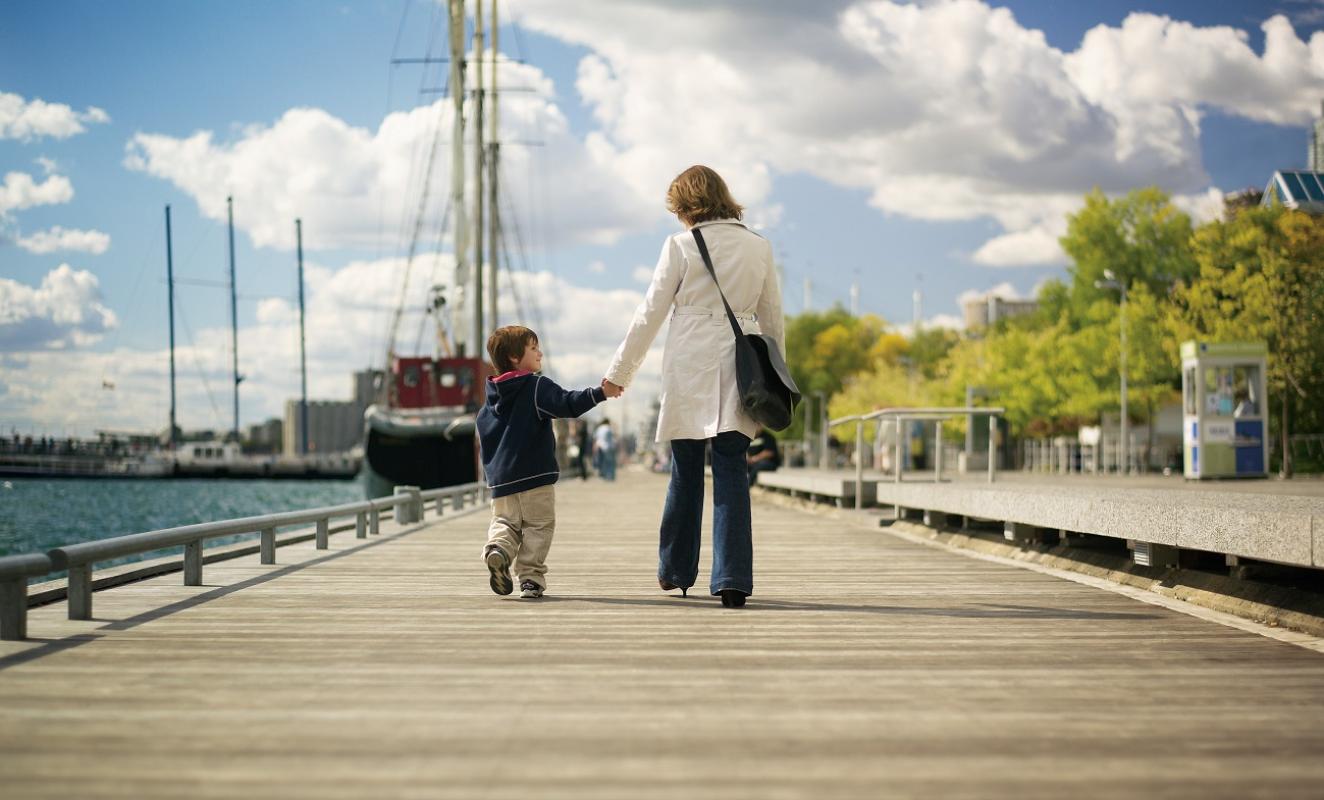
<point>506,345</point>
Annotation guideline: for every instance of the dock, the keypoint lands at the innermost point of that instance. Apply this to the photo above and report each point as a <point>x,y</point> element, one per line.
<point>865,665</point>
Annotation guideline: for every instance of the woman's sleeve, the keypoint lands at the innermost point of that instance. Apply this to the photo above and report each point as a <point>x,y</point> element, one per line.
<point>769,309</point>
<point>649,316</point>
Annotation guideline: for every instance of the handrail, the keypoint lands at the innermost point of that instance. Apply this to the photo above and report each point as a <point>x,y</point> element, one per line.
<point>408,504</point>
<point>903,413</point>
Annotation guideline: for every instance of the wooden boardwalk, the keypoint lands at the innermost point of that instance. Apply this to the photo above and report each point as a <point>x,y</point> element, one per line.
<point>865,666</point>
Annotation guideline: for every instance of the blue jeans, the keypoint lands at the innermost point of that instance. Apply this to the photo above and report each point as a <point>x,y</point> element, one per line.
<point>682,518</point>
<point>607,465</point>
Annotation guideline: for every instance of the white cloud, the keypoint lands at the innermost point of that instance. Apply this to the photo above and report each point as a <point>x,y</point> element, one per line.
<point>348,311</point>
<point>1036,246</point>
<point>48,165</point>
<point>1154,64</point>
<point>940,110</point>
<point>1306,12</point>
<point>949,322</point>
<point>1004,290</point>
<point>597,267</point>
<point>642,274</point>
<point>348,183</point>
<point>58,238</point>
<point>65,310</point>
<point>26,120</point>
<point>20,191</point>
<point>1203,206</point>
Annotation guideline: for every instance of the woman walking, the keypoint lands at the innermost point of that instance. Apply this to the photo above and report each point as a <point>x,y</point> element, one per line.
<point>700,403</point>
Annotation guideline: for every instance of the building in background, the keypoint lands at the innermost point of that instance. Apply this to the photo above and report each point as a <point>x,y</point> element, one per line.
<point>1302,190</point>
<point>334,426</point>
<point>983,311</point>
<point>265,438</point>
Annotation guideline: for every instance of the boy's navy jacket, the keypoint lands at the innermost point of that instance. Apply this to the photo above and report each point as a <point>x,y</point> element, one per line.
<point>515,429</point>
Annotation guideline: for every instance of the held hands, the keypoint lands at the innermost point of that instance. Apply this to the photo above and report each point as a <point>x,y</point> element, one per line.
<point>612,390</point>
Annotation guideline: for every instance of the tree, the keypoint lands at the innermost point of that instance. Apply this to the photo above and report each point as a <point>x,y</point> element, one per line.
<point>928,350</point>
<point>885,386</point>
<point>1261,278</point>
<point>1140,238</point>
<point>824,349</point>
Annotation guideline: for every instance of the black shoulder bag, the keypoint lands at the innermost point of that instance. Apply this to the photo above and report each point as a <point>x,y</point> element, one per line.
<point>767,392</point>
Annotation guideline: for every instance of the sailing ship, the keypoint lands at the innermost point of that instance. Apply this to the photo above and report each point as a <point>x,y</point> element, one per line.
<point>421,431</point>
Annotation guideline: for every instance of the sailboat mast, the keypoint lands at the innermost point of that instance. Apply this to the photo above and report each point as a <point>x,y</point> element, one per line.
<point>303,356</point>
<point>459,245</point>
<point>480,332</point>
<point>234,319</point>
<point>493,155</point>
<point>170,294</point>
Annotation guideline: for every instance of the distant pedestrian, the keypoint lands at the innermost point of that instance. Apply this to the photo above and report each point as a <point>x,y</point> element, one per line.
<point>763,455</point>
<point>604,451</point>
<point>519,456</point>
<point>581,449</point>
<point>700,402</point>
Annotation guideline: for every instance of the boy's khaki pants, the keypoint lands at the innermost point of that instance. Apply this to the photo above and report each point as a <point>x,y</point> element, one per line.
<point>522,526</point>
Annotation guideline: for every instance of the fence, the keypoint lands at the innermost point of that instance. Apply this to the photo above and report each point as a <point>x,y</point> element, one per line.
<point>407,505</point>
<point>899,416</point>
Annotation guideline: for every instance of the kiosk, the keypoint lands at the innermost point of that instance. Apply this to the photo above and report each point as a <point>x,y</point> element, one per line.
<point>1224,410</point>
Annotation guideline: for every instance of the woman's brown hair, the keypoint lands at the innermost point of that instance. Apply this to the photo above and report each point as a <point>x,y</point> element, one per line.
<point>699,194</point>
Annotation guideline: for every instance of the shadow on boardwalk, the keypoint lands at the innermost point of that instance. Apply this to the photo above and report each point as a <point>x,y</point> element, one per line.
<point>757,604</point>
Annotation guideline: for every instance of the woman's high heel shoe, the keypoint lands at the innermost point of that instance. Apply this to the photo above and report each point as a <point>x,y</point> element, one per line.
<point>667,587</point>
<point>733,598</point>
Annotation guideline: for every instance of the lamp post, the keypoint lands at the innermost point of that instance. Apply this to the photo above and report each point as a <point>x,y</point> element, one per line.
<point>1125,444</point>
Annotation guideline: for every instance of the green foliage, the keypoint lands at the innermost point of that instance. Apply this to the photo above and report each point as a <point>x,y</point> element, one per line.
<point>1258,276</point>
<point>1261,278</point>
<point>928,350</point>
<point>1140,238</point>
<point>885,386</point>
<point>824,349</point>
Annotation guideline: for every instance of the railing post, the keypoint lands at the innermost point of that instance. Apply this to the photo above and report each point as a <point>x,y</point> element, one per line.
<point>897,477</point>
<point>441,505</point>
<point>268,546</point>
<point>323,529</point>
<point>457,501</point>
<point>374,520</point>
<point>859,464</point>
<point>992,446</point>
<point>937,451</point>
<point>361,525</point>
<point>14,609</point>
<point>412,509</point>
<point>824,452</point>
<point>193,563</point>
<point>80,591</point>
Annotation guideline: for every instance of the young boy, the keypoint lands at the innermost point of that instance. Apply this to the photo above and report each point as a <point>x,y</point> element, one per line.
<point>519,456</point>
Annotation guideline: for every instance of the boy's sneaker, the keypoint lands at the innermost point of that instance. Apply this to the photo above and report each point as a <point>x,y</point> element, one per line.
<point>529,589</point>
<point>498,567</point>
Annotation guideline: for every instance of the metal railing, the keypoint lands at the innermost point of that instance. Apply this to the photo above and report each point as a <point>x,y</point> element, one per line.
<point>407,505</point>
<point>903,415</point>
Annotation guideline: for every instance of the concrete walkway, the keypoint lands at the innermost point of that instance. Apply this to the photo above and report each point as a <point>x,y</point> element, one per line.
<point>865,666</point>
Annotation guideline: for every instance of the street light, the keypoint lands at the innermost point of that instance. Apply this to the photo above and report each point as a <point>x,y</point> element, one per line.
<point>1113,283</point>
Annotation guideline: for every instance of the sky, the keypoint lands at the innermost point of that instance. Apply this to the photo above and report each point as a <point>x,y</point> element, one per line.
<point>936,146</point>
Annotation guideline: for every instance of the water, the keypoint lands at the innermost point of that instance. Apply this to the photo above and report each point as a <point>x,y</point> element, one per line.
<point>36,514</point>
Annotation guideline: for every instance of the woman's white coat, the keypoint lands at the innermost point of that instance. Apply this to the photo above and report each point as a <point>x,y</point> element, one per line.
<point>699,394</point>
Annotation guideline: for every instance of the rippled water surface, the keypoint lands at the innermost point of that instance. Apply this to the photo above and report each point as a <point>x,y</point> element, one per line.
<point>36,515</point>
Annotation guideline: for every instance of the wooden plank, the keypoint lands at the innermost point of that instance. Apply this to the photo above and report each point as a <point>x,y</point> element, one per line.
<point>864,666</point>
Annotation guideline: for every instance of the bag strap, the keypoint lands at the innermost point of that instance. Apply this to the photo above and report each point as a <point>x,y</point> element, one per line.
<point>708,262</point>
